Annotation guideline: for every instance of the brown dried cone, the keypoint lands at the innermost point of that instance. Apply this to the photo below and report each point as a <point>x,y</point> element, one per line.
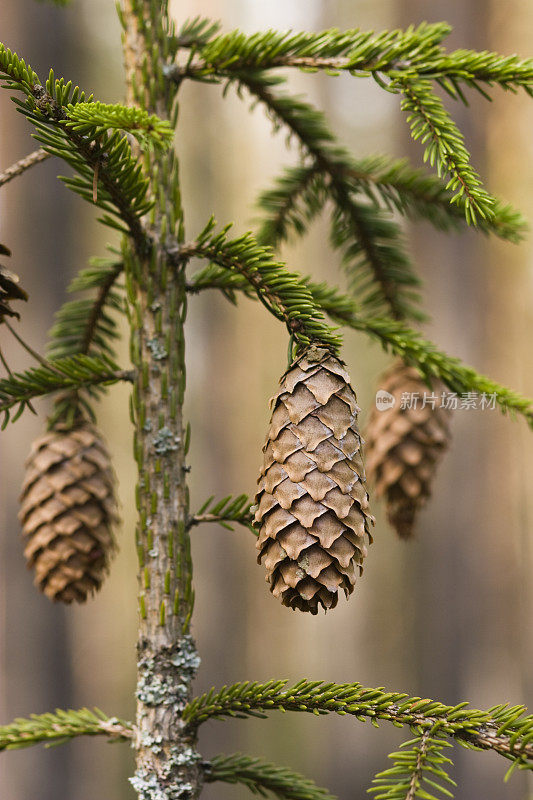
<point>312,510</point>
<point>9,289</point>
<point>67,512</point>
<point>404,443</point>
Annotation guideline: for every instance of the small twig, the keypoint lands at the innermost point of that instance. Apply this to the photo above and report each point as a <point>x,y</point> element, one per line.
<point>198,519</point>
<point>29,349</point>
<point>10,373</point>
<point>417,772</point>
<point>116,729</point>
<point>23,164</point>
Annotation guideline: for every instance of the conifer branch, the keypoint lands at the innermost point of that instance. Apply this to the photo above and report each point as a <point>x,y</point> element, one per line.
<point>296,198</point>
<point>418,770</point>
<point>60,727</point>
<point>22,165</point>
<point>226,511</point>
<point>355,51</point>
<point>95,119</point>
<point>299,194</point>
<point>330,51</point>
<point>280,291</point>
<point>73,372</point>
<point>263,778</point>
<point>84,326</point>
<point>502,729</point>
<point>196,32</point>
<point>430,122</point>
<point>104,161</point>
<point>371,241</point>
<point>394,336</point>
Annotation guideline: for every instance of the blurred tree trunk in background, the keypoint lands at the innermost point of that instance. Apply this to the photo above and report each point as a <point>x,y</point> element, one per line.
<point>510,308</point>
<point>445,616</point>
<point>35,647</point>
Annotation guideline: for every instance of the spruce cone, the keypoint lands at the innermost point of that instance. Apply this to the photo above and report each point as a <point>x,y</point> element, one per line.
<point>68,508</point>
<point>9,289</point>
<point>312,510</point>
<point>404,445</point>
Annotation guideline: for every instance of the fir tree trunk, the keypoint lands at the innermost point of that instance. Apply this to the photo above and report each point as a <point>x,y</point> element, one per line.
<point>167,762</point>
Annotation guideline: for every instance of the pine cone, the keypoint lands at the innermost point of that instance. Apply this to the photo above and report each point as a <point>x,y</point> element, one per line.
<point>404,445</point>
<point>9,290</point>
<point>312,510</point>
<point>68,509</point>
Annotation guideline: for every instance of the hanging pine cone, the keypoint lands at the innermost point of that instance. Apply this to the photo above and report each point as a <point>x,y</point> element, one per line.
<point>9,289</point>
<point>68,509</point>
<point>404,444</point>
<point>312,513</point>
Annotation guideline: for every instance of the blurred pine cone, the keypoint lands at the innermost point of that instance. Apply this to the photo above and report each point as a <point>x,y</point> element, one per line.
<point>404,444</point>
<point>9,288</point>
<point>312,513</point>
<point>67,512</point>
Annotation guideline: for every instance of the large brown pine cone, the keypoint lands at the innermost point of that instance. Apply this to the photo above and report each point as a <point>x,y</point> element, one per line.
<point>67,512</point>
<point>312,513</point>
<point>404,443</point>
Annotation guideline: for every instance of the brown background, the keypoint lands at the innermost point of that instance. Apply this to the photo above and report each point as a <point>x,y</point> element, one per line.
<point>448,616</point>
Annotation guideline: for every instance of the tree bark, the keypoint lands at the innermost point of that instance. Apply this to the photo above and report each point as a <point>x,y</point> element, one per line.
<point>168,766</point>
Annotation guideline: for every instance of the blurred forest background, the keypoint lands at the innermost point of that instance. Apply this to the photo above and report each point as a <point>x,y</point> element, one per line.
<point>447,616</point>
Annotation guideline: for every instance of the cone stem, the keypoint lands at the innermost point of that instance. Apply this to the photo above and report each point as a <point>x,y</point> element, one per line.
<point>167,764</point>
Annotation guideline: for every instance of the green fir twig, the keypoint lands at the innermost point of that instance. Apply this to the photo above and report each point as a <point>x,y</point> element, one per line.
<point>418,771</point>
<point>73,372</point>
<point>61,726</point>
<point>226,511</point>
<point>264,778</point>
<point>505,730</point>
<point>281,292</point>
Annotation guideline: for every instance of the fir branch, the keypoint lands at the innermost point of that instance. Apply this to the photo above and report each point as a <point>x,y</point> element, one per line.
<point>226,511</point>
<point>84,326</point>
<point>74,372</point>
<point>296,198</point>
<point>430,122</point>
<point>263,778</point>
<point>329,51</point>
<point>280,291</point>
<point>418,770</point>
<point>22,165</point>
<point>196,32</point>
<point>355,51</point>
<point>418,194</point>
<point>472,67</point>
<point>394,336</point>
<point>104,162</point>
<point>96,119</point>
<point>431,362</point>
<point>372,243</point>
<point>61,726</point>
<point>299,194</point>
<point>505,730</point>
<point>372,247</point>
